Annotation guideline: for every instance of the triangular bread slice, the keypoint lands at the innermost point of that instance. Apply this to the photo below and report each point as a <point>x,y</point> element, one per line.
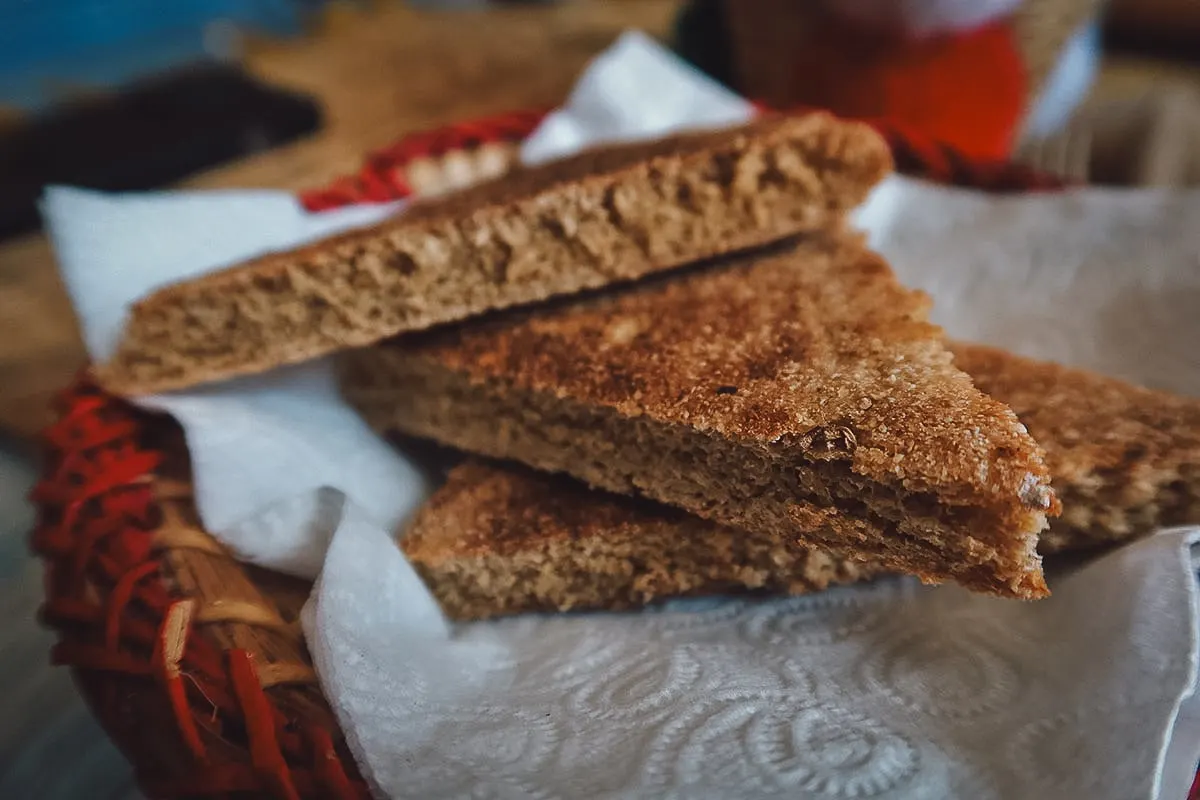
<point>607,215</point>
<point>500,539</point>
<point>505,539</point>
<point>800,394</point>
<point>1124,460</point>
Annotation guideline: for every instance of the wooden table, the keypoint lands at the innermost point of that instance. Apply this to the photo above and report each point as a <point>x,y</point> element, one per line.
<point>378,74</point>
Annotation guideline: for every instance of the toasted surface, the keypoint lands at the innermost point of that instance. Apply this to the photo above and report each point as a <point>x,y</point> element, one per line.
<point>1124,460</point>
<point>606,215</point>
<point>501,539</point>
<point>801,394</point>
<point>498,540</point>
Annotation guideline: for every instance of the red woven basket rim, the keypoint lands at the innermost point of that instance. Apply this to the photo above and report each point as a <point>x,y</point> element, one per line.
<point>382,177</point>
<point>96,511</point>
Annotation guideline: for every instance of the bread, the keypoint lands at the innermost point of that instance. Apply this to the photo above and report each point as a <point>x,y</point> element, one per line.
<point>500,539</point>
<point>1124,460</point>
<point>800,394</point>
<point>607,215</point>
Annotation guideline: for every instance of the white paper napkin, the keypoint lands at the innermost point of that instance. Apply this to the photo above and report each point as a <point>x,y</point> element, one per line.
<point>681,97</point>
<point>263,448</point>
<point>890,690</point>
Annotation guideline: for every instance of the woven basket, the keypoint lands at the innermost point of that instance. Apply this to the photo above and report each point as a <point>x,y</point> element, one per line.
<point>195,663</point>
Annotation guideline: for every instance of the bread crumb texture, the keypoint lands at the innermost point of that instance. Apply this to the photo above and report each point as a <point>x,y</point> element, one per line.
<point>501,539</point>
<point>800,394</point>
<point>607,215</point>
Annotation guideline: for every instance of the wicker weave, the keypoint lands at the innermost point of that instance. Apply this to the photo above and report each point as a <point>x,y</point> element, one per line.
<point>193,662</point>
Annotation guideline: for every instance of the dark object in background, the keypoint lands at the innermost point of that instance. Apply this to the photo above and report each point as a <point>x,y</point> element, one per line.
<point>1163,28</point>
<point>151,134</point>
<point>702,38</point>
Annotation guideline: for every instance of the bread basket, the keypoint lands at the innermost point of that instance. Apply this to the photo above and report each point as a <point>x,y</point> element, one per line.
<point>193,662</point>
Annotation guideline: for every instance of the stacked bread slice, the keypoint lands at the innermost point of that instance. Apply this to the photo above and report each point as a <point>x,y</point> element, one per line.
<point>688,374</point>
<point>605,216</point>
<point>799,394</point>
<point>500,538</point>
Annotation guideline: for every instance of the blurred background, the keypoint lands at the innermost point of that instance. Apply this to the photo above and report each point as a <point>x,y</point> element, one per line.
<point>289,94</point>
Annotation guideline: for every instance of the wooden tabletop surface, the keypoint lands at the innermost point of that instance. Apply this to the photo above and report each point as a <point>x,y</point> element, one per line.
<point>378,75</point>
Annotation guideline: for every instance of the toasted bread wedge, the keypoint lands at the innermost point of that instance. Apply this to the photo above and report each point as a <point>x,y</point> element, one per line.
<point>801,395</point>
<point>1124,460</point>
<point>604,216</point>
<point>505,539</point>
<point>500,539</point>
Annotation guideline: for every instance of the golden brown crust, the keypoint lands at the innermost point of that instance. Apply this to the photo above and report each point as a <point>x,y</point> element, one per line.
<point>1125,460</point>
<point>498,540</point>
<point>608,215</point>
<point>801,392</point>
<point>815,343</point>
<point>502,509</point>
